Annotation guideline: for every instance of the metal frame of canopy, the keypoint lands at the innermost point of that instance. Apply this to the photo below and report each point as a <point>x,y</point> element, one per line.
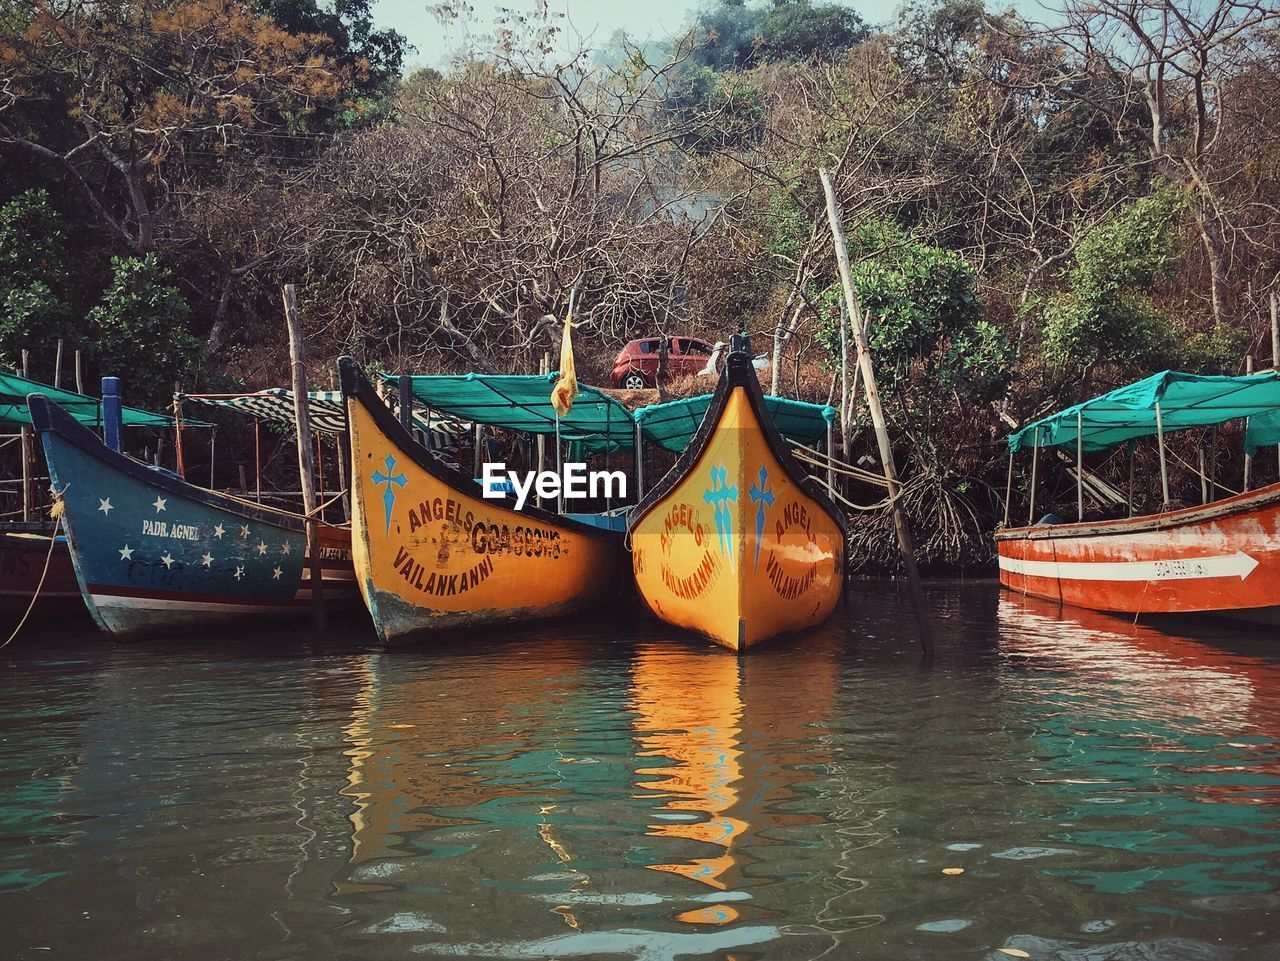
<point>1144,409</point>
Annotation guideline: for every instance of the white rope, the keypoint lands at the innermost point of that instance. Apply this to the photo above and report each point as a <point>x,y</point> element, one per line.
<point>56,513</point>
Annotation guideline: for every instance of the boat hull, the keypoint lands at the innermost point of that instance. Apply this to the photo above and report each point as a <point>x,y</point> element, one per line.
<point>154,555</point>
<point>23,554</point>
<point>1221,558</point>
<point>431,555</point>
<point>736,543</point>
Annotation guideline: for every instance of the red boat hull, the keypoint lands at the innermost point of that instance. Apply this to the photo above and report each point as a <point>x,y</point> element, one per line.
<point>1221,558</point>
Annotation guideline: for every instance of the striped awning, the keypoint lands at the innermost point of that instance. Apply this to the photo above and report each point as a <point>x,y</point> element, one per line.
<point>276,404</point>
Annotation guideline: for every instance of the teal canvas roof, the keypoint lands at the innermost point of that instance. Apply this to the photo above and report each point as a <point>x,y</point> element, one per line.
<point>523,402</point>
<point>673,424</point>
<point>87,410</point>
<point>1186,400</point>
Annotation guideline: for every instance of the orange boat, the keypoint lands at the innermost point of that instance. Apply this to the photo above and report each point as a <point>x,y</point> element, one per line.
<point>736,542</point>
<point>1221,557</point>
<point>430,553</point>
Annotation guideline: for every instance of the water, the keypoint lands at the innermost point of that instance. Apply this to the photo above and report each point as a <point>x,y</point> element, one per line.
<point>601,789</point>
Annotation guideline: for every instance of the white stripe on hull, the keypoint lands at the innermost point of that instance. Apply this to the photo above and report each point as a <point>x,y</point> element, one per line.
<point>1239,565</point>
<point>162,604</point>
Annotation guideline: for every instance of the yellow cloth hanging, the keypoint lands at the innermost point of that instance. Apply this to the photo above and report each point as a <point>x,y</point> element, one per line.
<point>566,388</point>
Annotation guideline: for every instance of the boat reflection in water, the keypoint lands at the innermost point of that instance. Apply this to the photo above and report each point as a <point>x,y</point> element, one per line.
<point>1127,769</point>
<point>688,710</point>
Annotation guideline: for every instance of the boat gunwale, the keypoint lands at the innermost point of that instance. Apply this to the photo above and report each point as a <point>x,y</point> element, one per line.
<point>1236,504</point>
<point>355,385</point>
<point>738,372</point>
<point>49,417</point>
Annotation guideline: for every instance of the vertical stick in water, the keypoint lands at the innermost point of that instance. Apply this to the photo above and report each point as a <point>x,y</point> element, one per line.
<point>306,466</point>
<point>877,414</point>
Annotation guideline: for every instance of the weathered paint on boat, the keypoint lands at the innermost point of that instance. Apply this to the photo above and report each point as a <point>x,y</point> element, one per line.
<point>24,549</point>
<point>430,553</point>
<point>1221,558</point>
<point>154,554</point>
<point>736,543</point>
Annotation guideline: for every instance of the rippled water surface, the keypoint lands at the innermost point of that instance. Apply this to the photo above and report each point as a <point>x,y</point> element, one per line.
<point>604,789</point>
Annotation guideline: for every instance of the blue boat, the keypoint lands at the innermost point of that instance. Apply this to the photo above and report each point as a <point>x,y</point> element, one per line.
<point>154,554</point>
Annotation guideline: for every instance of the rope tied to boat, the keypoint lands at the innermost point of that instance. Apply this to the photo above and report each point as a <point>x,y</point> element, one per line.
<point>56,511</point>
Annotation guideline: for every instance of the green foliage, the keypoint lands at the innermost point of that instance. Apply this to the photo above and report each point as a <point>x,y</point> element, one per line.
<point>1106,314</point>
<point>33,268</point>
<point>927,319</point>
<point>722,110</point>
<point>141,329</point>
<point>741,35</point>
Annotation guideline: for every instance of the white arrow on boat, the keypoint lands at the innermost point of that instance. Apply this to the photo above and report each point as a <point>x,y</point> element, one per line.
<point>1239,565</point>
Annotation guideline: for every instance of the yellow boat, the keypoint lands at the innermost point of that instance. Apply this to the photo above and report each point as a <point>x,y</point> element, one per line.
<point>430,553</point>
<point>736,542</point>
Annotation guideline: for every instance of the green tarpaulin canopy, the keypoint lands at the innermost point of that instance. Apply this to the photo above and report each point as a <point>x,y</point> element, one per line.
<point>671,425</point>
<point>523,402</point>
<point>1185,401</point>
<point>87,410</point>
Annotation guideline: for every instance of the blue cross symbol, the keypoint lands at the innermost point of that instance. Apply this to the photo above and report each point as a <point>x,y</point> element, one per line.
<point>392,480</point>
<point>763,497</point>
<point>720,495</point>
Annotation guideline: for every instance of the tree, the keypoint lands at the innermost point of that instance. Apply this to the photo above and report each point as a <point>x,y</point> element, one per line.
<point>33,268</point>
<point>740,35</point>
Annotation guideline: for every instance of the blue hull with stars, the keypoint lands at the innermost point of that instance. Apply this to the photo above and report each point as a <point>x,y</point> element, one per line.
<point>155,555</point>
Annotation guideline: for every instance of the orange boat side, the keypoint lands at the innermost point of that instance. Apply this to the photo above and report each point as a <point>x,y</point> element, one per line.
<point>1222,558</point>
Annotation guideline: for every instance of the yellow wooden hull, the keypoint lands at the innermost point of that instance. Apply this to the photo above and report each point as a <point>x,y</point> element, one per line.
<point>734,543</point>
<point>430,554</point>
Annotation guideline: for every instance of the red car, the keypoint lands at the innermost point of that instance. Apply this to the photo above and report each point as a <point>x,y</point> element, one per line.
<point>636,366</point>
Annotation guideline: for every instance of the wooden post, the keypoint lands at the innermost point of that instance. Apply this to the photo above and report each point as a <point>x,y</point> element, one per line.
<point>57,365</point>
<point>320,492</point>
<point>831,454</point>
<point>1164,469</point>
<point>405,403</point>
<point>1248,461</point>
<point>1275,342</point>
<point>213,447</point>
<point>306,468</point>
<point>877,415</point>
<point>1130,497</point>
<point>1031,494</point>
<point>544,367</point>
<point>179,461</point>
<point>25,453</point>
<point>1079,465</point>
<point>344,458</point>
<point>257,459</point>
<point>79,375</point>
<point>1204,479</point>
<point>639,463</point>
<point>476,431</point>
<point>1008,489</point>
<point>846,432</point>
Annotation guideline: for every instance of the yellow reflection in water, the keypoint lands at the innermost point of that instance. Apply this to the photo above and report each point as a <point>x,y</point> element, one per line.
<point>688,708</point>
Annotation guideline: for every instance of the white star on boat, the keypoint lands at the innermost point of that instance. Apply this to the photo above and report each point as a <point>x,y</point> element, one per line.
<point>219,531</point>
<point>239,573</point>
<point>159,503</point>
<point>105,506</point>
<point>167,560</point>
<point>126,554</point>
<point>207,560</point>
<point>276,573</point>
<point>286,548</point>
<point>262,548</point>
<point>244,531</point>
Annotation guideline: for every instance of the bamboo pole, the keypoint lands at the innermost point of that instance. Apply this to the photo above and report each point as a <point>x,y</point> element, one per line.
<point>639,463</point>
<point>544,367</point>
<point>179,461</point>
<point>57,365</point>
<point>25,433</point>
<point>877,414</point>
<point>476,429</point>
<point>320,473</point>
<point>306,468</point>
<point>831,455</point>
<point>79,375</point>
<point>1031,494</point>
<point>1129,497</point>
<point>1164,468</point>
<point>1248,461</point>
<point>845,428</point>
<point>1204,478</point>
<point>1275,343</point>
<point>1008,489</point>
<point>257,459</point>
<point>1080,465</point>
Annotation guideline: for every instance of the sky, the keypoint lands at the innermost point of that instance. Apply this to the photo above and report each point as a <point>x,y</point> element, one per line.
<point>596,19</point>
